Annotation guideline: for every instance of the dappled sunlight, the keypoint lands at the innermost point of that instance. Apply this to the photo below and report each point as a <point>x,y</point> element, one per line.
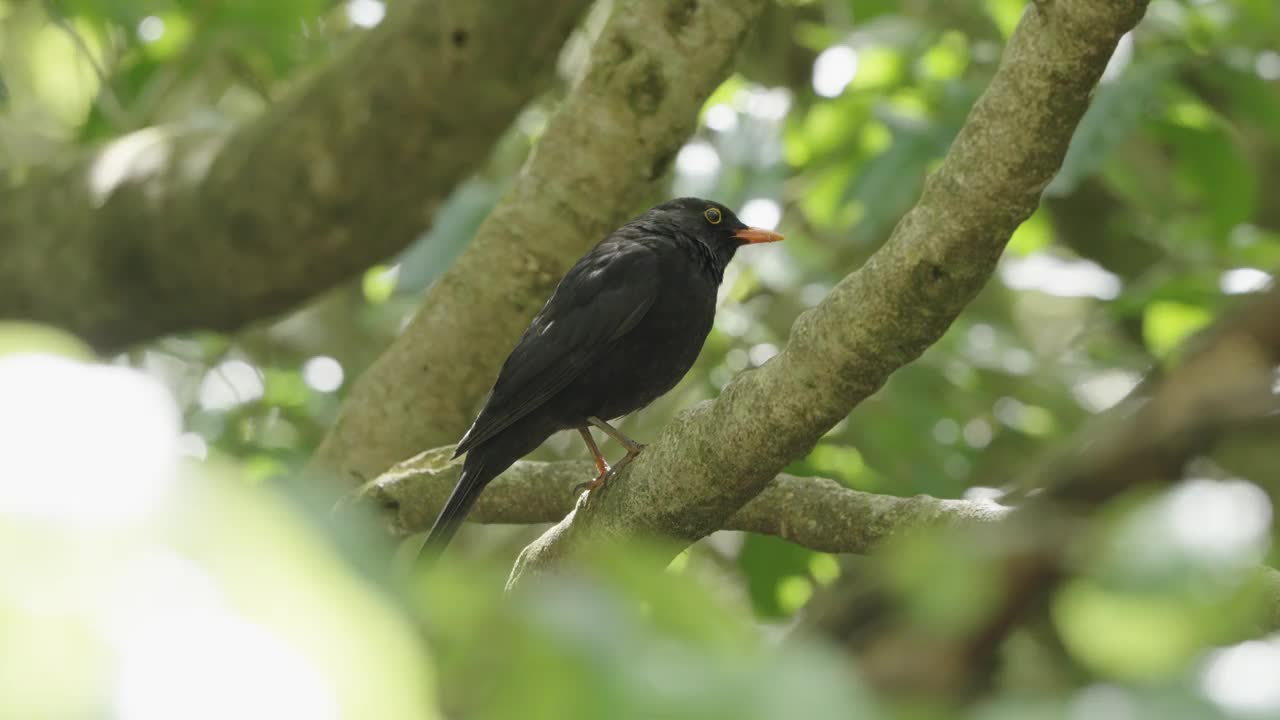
<point>133,157</point>
<point>1056,276</point>
<point>762,353</point>
<point>721,117</point>
<point>155,590</point>
<point>946,431</point>
<point>771,104</point>
<point>1267,65</point>
<point>194,661</point>
<point>230,383</point>
<point>193,446</point>
<point>1238,281</point>
<point>1225,522</point>
<point>151,29</point>
<point>1103,390</point>
<point>1120,59</point>
<point>1215,531</point>
<point>978,433</point>
<point>834,68</point>
<point>366,13</point>
<point>698,160</point>
<point>761,212</point>
<point>322,373</point>
<point>960,520</point>
<point>85,445</point>
<point>1242,678</point>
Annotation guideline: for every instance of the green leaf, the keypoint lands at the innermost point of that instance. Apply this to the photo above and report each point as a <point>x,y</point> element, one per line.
<point>1166,324</point>
<point>1145,635</point>
<point>1252,98</point>
<point>822,201</point>
<point>1032,235</point>
<point>24,337</point>
<point>888,184</point>
<point>946,59</point>
<point>1211,165</point>
<point>1116,113</point>
<point>1005,14</point>
<point>284,388</point>
<point>947,583</point>
<point>837,461</point>
<point>379,283</point>
<point>777,575</point>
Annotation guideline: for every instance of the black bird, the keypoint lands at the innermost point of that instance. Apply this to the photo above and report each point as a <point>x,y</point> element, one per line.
<point>624,325</point>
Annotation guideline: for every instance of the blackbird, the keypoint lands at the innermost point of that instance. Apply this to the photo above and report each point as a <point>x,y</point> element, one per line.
<point>623,326</point>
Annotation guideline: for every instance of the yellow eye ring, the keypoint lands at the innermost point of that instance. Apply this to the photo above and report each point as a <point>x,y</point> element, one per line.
<point>713,216</point>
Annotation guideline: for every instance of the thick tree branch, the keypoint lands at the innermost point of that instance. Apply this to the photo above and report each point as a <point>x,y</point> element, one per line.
<point>598,161</point>
<point>167,230</point>
<point>817,513</point>
<point>714,458</point>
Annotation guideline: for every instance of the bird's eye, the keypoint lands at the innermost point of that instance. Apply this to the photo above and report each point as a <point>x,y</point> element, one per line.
<point>712,215</point>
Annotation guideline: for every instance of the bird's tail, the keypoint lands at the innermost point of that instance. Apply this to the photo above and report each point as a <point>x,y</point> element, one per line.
<point>471,482</point>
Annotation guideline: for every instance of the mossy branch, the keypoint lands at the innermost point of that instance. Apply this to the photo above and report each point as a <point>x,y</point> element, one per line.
<point>170,229</point>
<point>814,512</point>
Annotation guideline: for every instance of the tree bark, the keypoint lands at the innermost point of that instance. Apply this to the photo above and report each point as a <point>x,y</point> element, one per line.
<point>714,458</point>
<point>818,513</point>
<point>171,229</point>
<point>600,159</point>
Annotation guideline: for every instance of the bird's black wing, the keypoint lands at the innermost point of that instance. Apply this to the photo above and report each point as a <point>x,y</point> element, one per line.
<point>599,300</point>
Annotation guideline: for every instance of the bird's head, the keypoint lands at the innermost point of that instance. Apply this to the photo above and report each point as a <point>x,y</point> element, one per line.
<point>710,223</point>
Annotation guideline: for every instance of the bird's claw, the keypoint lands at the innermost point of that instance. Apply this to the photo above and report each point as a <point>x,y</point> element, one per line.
<point>592,485</point>
<point>606,472</point>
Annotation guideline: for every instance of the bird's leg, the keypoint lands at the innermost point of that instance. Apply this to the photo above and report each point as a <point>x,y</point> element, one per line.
<point>602,465</point>
<point>633,450</point>
<point>633,447</point>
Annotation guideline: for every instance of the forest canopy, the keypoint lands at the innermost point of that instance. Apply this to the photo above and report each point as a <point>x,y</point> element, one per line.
<point>994,433</point>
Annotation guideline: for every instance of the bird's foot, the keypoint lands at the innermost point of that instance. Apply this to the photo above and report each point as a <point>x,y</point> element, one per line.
<point>592,486</point>
<point>606,472</point>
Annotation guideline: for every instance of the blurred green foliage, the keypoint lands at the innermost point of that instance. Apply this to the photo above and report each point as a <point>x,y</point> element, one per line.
<point>1164,210</point>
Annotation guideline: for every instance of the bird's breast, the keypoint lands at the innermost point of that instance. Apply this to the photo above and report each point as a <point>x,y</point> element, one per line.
<point>649,360</point>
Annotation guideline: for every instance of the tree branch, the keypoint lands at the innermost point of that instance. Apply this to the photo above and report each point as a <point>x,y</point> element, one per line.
<point>599,160</point>
<point>166,229</point>
<point>714,458</point>
<point>817,513</point>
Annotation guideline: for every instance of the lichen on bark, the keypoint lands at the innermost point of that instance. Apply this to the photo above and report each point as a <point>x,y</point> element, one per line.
<point>171,229</point>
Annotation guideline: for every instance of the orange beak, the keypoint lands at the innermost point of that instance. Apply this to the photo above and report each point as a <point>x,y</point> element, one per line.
<point>757,235</point>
